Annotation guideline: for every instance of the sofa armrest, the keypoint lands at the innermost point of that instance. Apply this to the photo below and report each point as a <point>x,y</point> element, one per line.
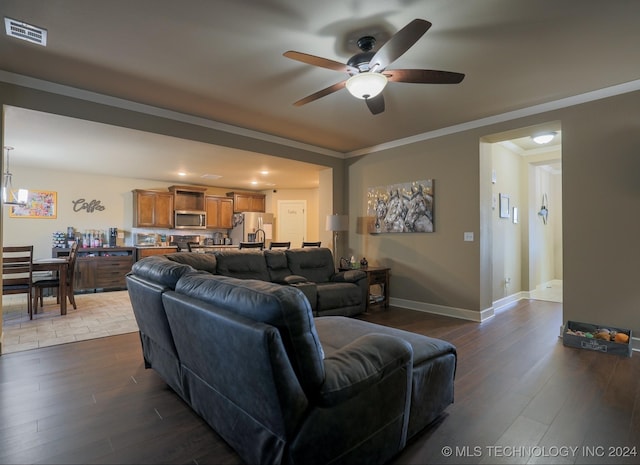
<point>295,279</point>
<point>309,289</point>
<point>361,364</point>
<point>349,276</point>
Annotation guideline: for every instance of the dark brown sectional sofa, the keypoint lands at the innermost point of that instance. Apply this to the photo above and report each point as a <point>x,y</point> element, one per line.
<point>277,384</point>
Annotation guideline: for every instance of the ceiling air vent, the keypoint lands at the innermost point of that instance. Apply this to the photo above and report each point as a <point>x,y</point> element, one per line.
<point>24,31</point>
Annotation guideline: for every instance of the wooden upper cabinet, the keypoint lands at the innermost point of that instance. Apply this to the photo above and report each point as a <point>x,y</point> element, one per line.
<point>152,209</point>
<point>219,212</point>
<point>248,201</point>
<point>189,198</point>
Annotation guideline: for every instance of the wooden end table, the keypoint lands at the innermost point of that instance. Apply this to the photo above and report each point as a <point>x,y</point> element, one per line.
<point>376,275</point>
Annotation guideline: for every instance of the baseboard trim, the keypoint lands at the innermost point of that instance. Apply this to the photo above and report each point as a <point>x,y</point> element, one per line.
<point>454,312</point>
<point>473,315</point>
<point>501,303</point>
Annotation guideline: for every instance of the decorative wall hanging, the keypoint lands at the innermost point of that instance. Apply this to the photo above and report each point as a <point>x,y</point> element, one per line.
<point>544,211</point>
<point>504,206</point>
<point>40,204</point>
<point>89,207</point>
<point>405,207</point>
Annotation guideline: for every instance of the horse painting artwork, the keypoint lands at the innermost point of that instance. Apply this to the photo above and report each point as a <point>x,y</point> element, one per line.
<point>406,207</point>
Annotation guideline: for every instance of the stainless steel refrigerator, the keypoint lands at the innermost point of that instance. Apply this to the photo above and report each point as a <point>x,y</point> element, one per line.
<point>252,227</point>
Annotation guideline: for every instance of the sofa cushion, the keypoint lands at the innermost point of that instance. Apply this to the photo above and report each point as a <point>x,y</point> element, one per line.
<point>276,261</point>
<point>242,264</point>
<point>159,270</point>
<point>200,261</point>
<point>314,263</point>
<point>284,307</point>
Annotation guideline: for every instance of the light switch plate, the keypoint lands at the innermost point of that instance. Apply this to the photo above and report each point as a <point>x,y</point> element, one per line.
<point>468,236</point>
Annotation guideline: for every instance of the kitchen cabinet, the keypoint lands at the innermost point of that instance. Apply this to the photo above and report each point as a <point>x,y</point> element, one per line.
<point>247,201</point>
<point>188,198</point>
<point>152,209</point>
<point>219,212</point>
<point>100,267</point>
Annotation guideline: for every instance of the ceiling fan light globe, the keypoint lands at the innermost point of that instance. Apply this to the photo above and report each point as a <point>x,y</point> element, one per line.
<point>366,85</point>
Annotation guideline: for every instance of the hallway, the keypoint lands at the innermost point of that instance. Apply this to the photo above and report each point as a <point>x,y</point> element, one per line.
<point>551,292</point>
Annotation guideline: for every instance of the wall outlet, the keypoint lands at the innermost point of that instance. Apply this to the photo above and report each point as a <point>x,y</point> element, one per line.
<point>507,280</point>
<point>468,236</point>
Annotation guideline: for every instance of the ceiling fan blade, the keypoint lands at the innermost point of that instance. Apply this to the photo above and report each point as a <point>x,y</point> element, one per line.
<point>375,104</point>
<point>399,43</point>
<point>320,93</point>
<point>319,61</point>
<point>423,76</point>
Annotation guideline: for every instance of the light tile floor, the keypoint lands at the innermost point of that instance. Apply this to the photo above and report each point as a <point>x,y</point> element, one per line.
<point>99,314</point>
<point>551,291</point>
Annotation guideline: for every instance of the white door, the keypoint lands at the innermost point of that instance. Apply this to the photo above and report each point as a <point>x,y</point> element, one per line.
<point>292,222</point>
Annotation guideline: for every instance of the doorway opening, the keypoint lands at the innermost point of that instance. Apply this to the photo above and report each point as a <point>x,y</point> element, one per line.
<point>526,216</point>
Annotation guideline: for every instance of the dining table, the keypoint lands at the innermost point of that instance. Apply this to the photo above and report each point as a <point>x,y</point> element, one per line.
<point>57,265</point>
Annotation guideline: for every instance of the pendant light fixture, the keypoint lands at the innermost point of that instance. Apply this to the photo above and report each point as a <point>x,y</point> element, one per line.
<point>11,196</point>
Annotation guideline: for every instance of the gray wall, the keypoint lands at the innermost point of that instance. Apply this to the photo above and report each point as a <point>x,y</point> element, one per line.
<point>601,195</point>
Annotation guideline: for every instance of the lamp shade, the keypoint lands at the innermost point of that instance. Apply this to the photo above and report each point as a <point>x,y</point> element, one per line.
<point>366,85</point>
<point>337,222</point>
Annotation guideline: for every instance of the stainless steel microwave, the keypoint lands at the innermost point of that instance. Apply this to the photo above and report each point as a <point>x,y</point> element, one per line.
<point>188,219</point>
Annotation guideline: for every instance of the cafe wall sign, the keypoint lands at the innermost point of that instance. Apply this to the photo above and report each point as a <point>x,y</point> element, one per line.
<point>90,207</point>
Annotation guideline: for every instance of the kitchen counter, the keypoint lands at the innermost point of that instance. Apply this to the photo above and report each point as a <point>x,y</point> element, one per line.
<point>213,248</point>
<point>149,250</point>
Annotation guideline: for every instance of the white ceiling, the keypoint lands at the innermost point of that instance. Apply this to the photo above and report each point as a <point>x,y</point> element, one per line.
<point>222,60</point>
<point>57,142</point>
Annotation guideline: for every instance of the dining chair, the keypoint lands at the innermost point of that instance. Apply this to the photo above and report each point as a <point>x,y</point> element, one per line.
<point>192,246</point>
<point>17,272</point>
<point>311,244</point>
<point>280,245</point>
<point>251,245</point>
<point>54,282</point>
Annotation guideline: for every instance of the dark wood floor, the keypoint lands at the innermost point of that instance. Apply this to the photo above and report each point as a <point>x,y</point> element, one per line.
<point>521,397</point>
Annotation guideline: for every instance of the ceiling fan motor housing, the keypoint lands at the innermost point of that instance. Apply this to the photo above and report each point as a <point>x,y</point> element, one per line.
<point>361,60</point>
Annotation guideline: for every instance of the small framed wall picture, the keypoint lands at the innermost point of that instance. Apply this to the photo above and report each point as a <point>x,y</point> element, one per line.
<point>504,206</point>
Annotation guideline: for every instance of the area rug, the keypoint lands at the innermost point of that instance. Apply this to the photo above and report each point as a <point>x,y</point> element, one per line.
<point>99,314</point>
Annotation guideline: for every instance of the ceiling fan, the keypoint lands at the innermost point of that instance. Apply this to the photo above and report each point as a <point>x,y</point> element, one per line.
<point>367,69</point>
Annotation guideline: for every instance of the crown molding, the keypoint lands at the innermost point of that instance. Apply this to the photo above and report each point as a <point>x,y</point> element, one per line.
<point>606,92</point>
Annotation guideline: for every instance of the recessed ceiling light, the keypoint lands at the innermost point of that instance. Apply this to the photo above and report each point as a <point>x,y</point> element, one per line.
<point>182,173</point>
<point>544,138</point>
<point>254,182</point>
<point>211,176</point>
<point>264,172</point>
